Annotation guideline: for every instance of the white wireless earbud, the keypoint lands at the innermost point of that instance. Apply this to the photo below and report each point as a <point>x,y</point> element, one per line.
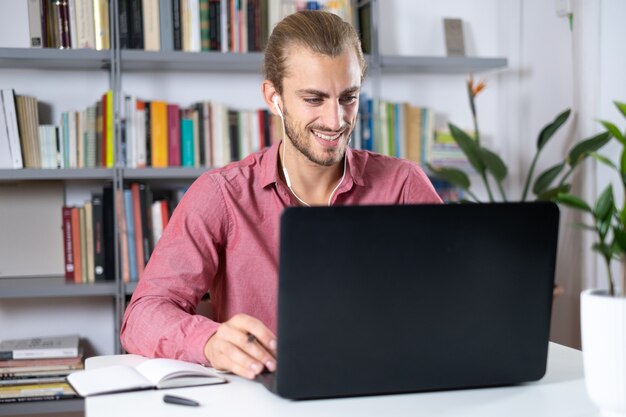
<point>277,107</point>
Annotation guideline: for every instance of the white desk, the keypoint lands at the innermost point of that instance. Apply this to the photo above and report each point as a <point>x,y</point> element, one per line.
<point>560,393</point>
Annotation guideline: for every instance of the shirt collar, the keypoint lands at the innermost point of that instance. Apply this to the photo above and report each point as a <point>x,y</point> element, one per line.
<point>269,166</point>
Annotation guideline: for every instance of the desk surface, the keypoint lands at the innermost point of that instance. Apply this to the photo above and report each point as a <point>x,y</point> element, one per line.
<point>560,393</point>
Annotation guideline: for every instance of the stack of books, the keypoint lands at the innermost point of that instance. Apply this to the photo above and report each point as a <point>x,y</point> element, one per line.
<point>36,369</point>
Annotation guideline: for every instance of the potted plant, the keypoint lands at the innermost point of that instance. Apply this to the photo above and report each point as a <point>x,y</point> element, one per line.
<point>603,311</point>
<point>491,168</point>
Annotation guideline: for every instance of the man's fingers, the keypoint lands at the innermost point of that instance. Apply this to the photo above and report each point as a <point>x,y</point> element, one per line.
<point>249,344</point>
<point>255,327</point>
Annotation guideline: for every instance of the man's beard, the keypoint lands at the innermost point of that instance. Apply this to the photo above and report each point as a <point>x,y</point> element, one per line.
<point>300,140</point>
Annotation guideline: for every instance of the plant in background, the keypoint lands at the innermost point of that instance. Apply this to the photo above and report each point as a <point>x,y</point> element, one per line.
<point>608,219</point>
<point>491,168</point>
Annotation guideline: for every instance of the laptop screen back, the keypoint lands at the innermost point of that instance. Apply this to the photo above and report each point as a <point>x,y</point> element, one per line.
<point>390,299</point>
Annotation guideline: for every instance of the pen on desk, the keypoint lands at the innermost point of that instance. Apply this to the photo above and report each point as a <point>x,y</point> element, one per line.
<point>172,399</point>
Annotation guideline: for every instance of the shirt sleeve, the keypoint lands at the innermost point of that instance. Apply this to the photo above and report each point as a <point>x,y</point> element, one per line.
<point>418,189</point>
<point>161,319</point>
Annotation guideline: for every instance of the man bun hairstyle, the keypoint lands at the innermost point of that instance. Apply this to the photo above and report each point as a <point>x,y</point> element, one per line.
<point>321,32</point>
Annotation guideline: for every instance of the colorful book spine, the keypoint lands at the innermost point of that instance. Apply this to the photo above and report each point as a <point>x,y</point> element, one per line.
<point>173,135</point>
<point>67,244</point>
<point>138,229</point>
<point>98,238</point>
<point>187,151</point>
<point>110,129</point>
<point>158,133</point>
<point>130,235</point>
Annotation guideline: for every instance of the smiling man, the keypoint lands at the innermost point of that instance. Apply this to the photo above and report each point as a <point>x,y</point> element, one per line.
<point>223,236</point>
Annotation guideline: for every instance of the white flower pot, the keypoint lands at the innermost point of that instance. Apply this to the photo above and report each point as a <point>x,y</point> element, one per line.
<point>603,326</point>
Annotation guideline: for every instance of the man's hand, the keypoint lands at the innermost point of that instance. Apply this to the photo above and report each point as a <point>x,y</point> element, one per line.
<point>242,345</point>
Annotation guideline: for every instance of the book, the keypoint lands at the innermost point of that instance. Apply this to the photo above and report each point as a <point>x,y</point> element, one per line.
<point>34,24</point>
<point>63,346</point>
<point>453,30</point>
<point>36,392</point>
<point>150,374</point>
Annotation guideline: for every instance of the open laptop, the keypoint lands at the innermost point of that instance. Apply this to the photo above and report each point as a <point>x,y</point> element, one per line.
<point>392,299</point>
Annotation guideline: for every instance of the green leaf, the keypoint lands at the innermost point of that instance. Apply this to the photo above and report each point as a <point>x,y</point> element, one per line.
<point>469,147</point>
<point>622,163</point>
<point>621,107</point>
<point>452,175</point>
<point>494,164</point>
<point>552,194</point>
<point>603,249</point>
<point>544,179</point>
<point>587,146</point>
<point>550,129</point>
<point>605,205</point>
<point>620,238</point>
<point>614,130</point>
<point>573,201</point>
<point>605,160</point>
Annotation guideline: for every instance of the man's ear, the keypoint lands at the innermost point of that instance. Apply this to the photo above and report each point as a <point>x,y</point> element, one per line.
<point>269,92</point>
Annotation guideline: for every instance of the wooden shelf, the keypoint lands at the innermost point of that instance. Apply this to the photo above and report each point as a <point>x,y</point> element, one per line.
<point>36,287</point>
<point>55,174</point>
<point>48,58</point>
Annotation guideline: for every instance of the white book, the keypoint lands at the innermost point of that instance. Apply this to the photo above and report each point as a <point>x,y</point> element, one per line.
<point>151,25</point>
<point>140,138</point>
<point>71,7</point>
<point>64,346</point>
<point>7,96</point>
<point>151,373</point>
<point>5,150</point>
<point>34,23</point>
<point>130,105</point>
<point>157,221</point>
<point>85,27</point>
<point>216,135</point>
<point>224,24</point>
<point>194,25</point>
<point>73,139</point>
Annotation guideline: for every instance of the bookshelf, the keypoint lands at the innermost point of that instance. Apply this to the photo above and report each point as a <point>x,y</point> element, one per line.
<point>117,63</point>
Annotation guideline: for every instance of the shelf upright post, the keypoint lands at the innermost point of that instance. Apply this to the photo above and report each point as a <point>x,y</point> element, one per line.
<point>375,69</point>
<point>118,183</point>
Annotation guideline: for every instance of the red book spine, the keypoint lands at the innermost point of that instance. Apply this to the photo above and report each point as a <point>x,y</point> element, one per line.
<point>173,137</point>
<point>104,130</point>
<point>165,213</point>
<point>67,244</point>
<point>134,189</point>
<point>261,116</point>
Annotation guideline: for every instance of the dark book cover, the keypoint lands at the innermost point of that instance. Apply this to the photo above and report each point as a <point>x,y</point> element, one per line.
<point>67,245</point>
<point>365,20</point>
<point>145,203</point>
<point>57,37</point>
<point>148,135</point>
<point>64,13</point>
<point>267,127</point>
<point>124,23</point>
<point>233,132</point>
<point>215,25</point>
<point>198,108</point>
<point>264,29</point>
<point>108,227</point>
<point>204,25</point>
<point>45,26</point>
<point>135,19</point>
<point>251,11</point>
<point>176,28</point>
<point>99,258</point>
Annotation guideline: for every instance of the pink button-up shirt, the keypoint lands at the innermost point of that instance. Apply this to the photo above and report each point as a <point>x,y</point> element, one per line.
<point>223,238</point>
